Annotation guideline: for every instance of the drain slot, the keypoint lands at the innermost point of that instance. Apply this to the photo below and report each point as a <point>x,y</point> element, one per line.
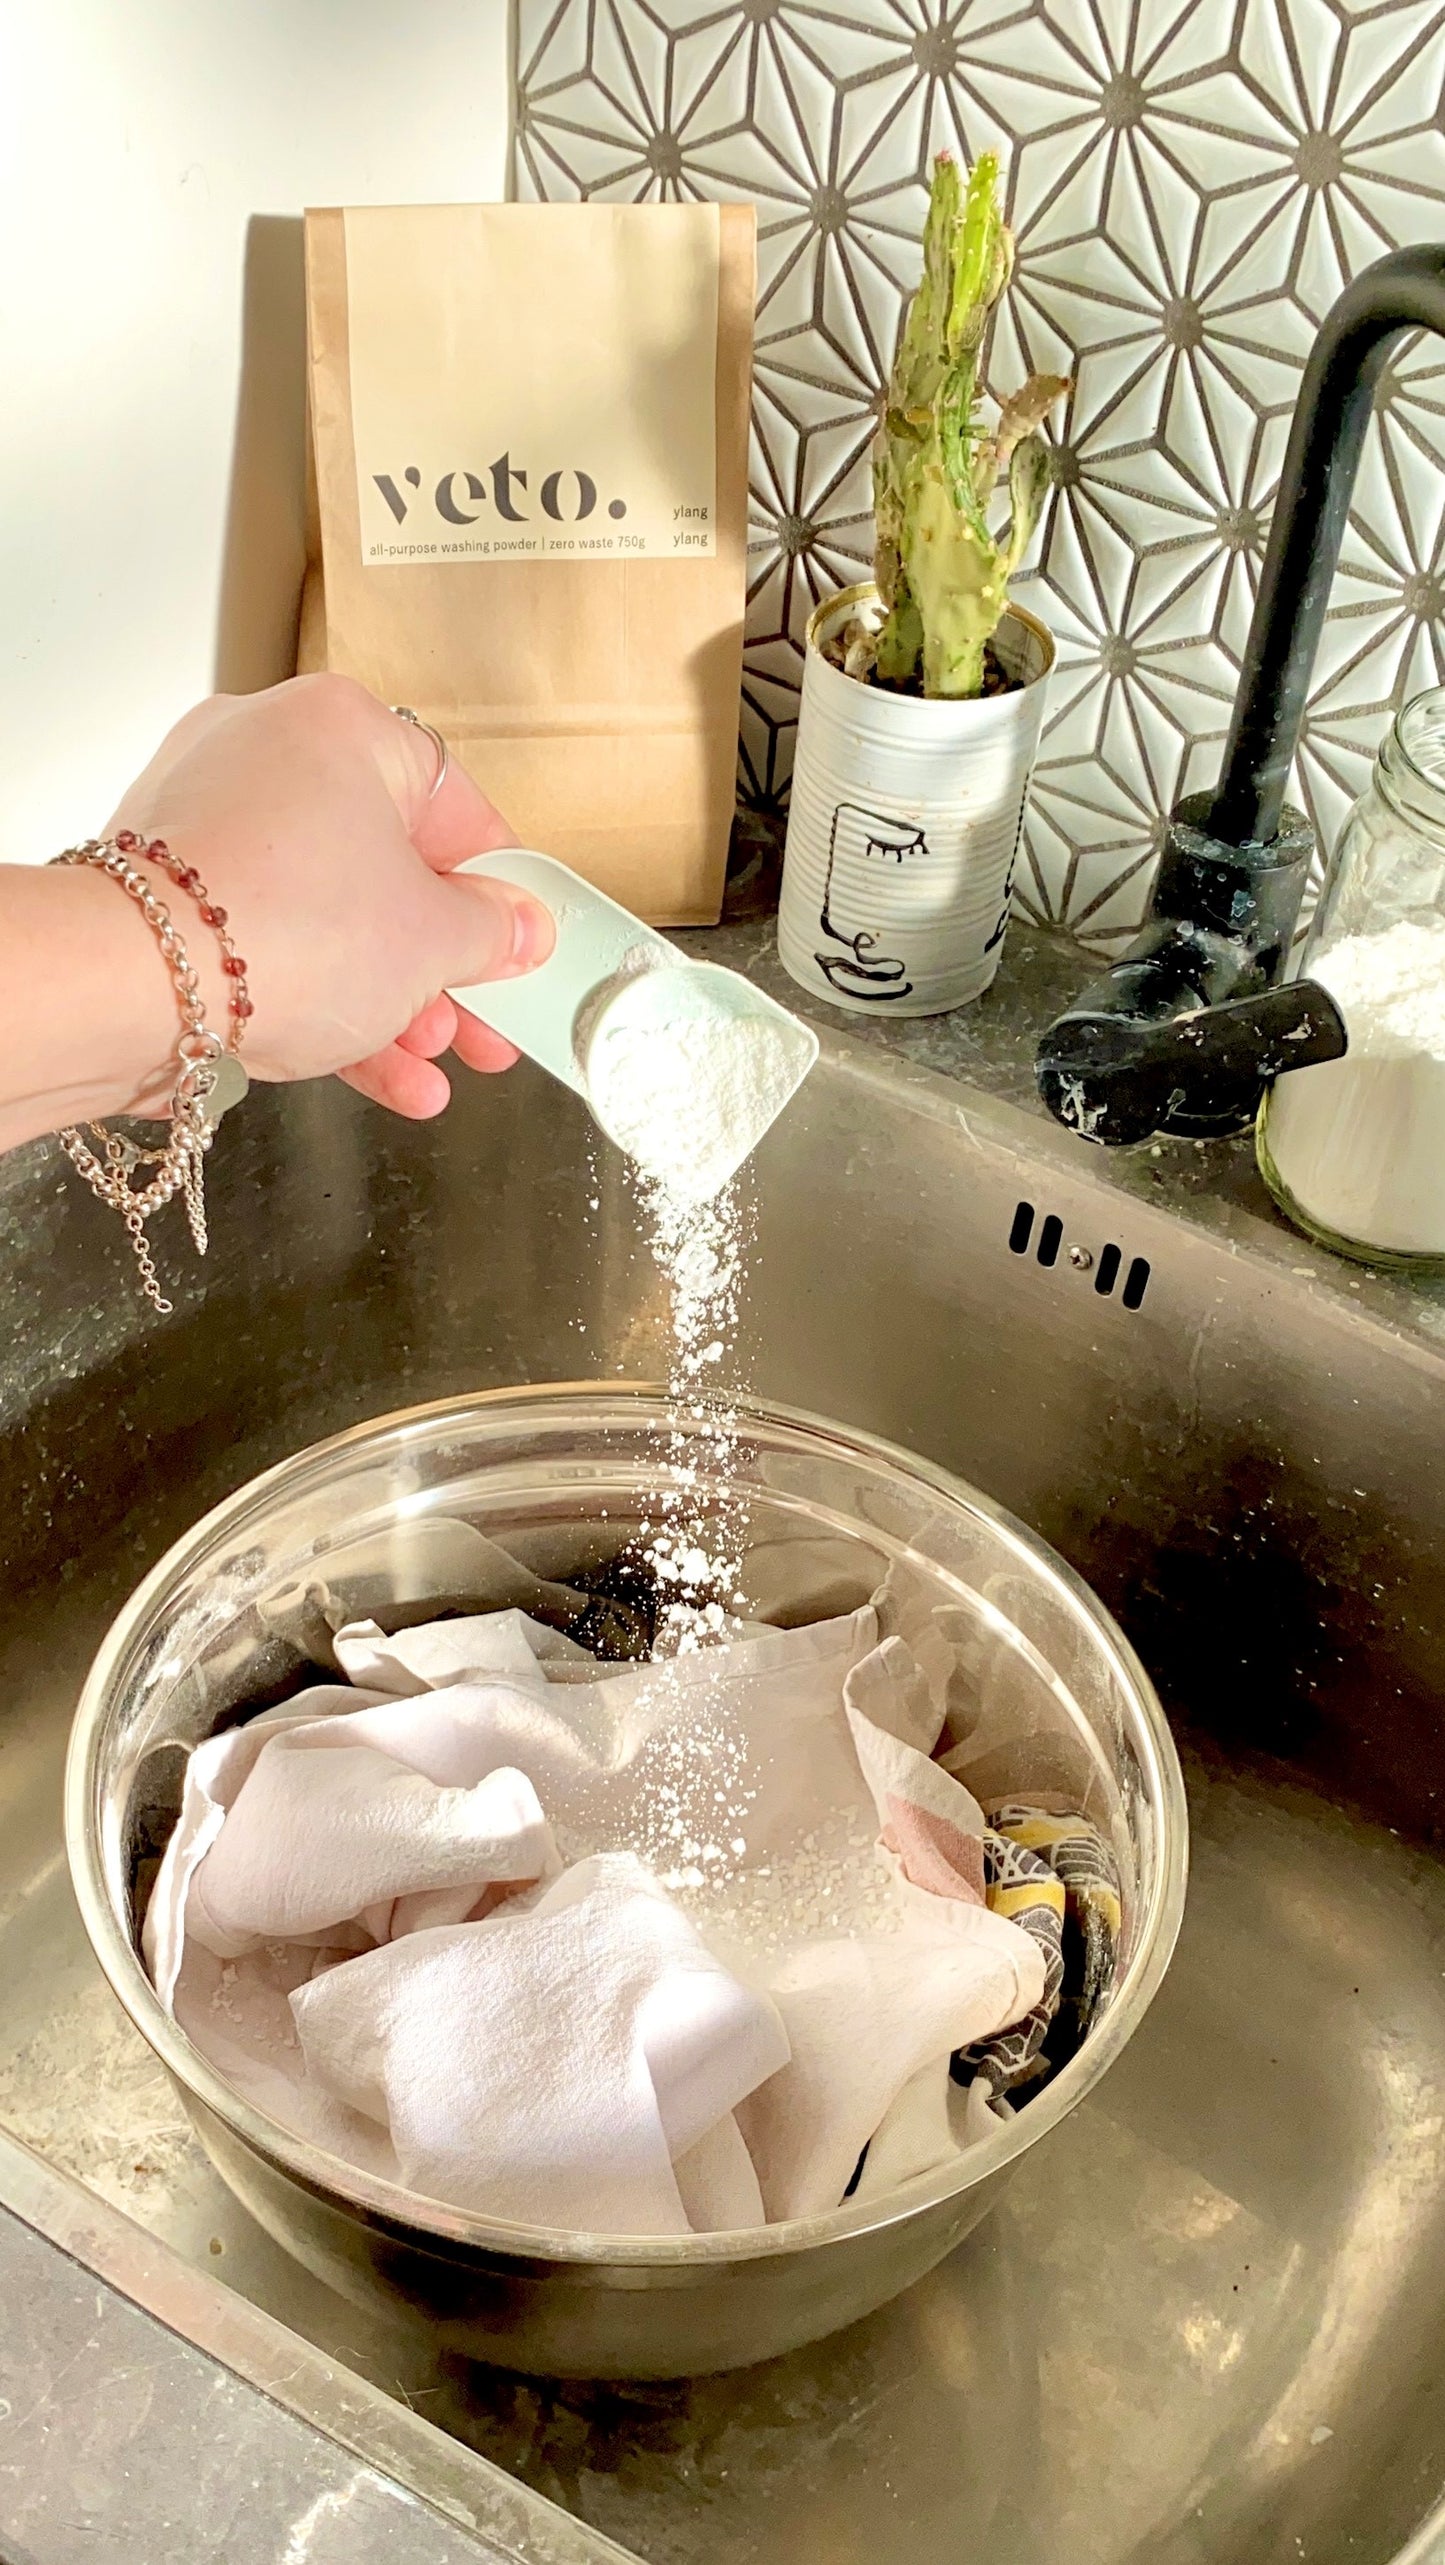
<point>1136,1282</point>
<point>1106,1271</point>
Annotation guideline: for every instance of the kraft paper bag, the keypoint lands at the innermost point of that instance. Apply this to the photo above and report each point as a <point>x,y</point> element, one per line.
<point>529,430</point>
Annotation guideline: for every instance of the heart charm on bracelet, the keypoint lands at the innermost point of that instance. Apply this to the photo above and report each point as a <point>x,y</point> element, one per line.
<point>229,1084</point>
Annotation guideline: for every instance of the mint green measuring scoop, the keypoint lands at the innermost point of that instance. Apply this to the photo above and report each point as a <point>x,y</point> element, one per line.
<point>610,981</point>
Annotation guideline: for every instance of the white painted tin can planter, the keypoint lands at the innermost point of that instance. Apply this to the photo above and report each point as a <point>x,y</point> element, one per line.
<point>904,826</point>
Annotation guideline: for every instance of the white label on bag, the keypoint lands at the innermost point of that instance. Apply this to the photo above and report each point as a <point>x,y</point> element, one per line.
<point>534,382</point>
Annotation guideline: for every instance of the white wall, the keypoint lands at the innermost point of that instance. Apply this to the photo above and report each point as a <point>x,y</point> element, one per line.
<point>150,487</point>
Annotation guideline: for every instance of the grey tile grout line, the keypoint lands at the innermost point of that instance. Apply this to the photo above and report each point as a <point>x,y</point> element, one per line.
<point>1189,186</point>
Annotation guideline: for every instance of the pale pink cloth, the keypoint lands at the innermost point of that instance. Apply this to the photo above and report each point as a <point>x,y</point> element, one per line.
<point>409,1921</point>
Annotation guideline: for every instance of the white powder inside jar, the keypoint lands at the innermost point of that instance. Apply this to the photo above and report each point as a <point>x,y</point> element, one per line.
<point>1359,1143</point>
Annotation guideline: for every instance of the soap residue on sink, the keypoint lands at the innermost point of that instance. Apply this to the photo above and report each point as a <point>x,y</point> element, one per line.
<point>87,2096</point>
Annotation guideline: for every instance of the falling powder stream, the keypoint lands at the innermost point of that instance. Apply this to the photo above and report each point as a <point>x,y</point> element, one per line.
<point>687,1086</point>
<point>688,1097</point>
<point>696,1549</point>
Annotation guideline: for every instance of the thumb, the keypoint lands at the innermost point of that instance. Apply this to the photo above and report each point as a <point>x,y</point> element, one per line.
<point>490,930</point>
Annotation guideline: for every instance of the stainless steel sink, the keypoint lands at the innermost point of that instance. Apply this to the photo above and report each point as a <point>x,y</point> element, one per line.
<point>1208,2321</point>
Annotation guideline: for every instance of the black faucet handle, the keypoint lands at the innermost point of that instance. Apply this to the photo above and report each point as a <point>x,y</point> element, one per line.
<point>1202,1070</point>
<point>1186,1031</point>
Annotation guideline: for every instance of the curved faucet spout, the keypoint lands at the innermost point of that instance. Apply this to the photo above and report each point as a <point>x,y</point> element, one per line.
<point>1384,304</point>
<point>1140,1049</point>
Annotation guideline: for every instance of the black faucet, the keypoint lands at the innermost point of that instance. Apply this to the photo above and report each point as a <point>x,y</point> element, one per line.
<point>1186,1031</point>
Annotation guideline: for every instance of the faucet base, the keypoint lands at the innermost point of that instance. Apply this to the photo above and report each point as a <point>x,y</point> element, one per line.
<point>1185,1031</point>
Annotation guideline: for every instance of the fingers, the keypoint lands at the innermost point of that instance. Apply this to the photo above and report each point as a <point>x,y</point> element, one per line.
<point>491,931</point>
<point>506,932</point>
<point>431,1032</point>
<point>445,825</point>
<point>404,1077</point>
<point>416,1089</point>
<point>460,821</point>
<point>444,1027</point>
<point>481,1048</point>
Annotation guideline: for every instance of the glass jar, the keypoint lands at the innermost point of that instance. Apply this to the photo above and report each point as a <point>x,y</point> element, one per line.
<point>1353,1151</point>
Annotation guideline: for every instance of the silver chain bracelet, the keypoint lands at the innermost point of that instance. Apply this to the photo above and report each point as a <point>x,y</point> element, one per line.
<point>210,1078</point>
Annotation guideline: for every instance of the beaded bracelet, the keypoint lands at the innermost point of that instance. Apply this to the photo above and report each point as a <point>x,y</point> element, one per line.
<point>210,1078</point>
<point>186,878</point>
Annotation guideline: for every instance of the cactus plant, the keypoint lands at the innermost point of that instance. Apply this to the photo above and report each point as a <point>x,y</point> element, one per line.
<point>941,573</point>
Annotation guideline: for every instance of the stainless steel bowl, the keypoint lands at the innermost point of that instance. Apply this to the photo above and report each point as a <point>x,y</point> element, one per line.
<point>234,1610</point>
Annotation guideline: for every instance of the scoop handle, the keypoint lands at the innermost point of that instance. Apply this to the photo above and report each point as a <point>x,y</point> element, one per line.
<point>596,938</point>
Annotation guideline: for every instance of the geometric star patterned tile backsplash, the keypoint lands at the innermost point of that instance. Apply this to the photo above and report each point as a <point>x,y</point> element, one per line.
<point>1190,182</point>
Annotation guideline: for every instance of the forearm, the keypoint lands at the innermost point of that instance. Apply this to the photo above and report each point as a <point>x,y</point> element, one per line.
<point>326,833</point>
<point>88,1015</point>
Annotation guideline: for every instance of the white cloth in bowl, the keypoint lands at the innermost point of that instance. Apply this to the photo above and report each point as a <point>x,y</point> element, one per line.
<point>628,1949</point>
<point>640,2045</point>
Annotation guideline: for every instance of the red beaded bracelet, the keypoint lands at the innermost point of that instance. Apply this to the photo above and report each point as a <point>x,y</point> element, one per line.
<point>210,1078</point>
<point>186,878</point>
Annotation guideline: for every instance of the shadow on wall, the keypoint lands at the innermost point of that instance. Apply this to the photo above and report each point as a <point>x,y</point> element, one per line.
<point>265,543</point>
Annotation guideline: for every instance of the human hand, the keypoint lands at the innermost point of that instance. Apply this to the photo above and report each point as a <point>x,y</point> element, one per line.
<point>306,811</point>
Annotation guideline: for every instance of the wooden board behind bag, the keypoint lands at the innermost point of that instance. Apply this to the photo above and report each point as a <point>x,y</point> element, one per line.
<point>529,431</point>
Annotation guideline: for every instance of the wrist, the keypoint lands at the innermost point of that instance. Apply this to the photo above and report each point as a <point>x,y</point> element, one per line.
<point>90,1021</point>
<point>206,1079</point>
<point>203,927</point>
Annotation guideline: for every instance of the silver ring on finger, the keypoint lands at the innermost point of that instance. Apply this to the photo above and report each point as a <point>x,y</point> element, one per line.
<point>404,712</point>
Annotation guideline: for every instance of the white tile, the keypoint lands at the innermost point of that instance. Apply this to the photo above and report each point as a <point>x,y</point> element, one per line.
<point>851,44</point>
<point>551,44</point>
<point>711,79</point>
<point>1082,30</point>
<point>1200,199</point>
<point>1398,56</point>
<point>1108,909</point>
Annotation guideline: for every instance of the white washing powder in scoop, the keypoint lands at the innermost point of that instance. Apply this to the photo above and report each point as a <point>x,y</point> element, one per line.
<point>689,1095</point>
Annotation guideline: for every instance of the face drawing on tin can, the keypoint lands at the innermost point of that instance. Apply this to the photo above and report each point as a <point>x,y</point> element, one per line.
<point>861,845</point>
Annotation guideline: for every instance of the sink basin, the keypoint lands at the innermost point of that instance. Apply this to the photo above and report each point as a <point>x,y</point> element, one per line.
<point>1206,2321</point>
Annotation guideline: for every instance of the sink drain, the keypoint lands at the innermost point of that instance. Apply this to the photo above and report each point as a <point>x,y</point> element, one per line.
<point>1106,1266</point>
